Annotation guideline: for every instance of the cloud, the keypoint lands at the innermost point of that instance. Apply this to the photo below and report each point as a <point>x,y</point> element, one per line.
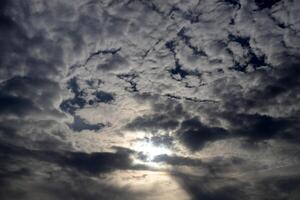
<point>262,127</point>
<point>194,134</point>
<point>265,4</point>
<point>92,163</point>
<point>212,187</point>
<point>177,160</point>
<point>153,122</point>
<point>285,187</point>
<point>57,184</point>
<point>83,82</point>
<point>80,124</point>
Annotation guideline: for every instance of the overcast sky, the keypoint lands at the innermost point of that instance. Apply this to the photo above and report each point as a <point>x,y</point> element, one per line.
<point>150,99</point>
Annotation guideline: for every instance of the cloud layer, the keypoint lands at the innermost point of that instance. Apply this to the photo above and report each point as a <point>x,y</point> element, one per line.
<point>85,84</point>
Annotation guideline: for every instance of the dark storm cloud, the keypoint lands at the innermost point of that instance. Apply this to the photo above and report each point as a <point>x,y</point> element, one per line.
<point>275,84</point>
<point>262,4</point>
<point>29,93</point>
<point>92,164</point>
<point>191,74</point>
<point>22,95</point>
<point>166,117</point>
<point>177,160</point>
<point>16,106</point>
<point>59,185</point>
<point>286,187</point>
<point>28,87</point>
<point>73,180</point>
<point>153,122</point>
<point>255,127</point>
<point>194,134</point>
<point>99,162</point>
<point>213,187</point>
<point>43,134</point>
<point>16,52</point>
<point>262,127</point>
<point>210,187</point>
<point>213,166</point>
<point>279,88</point>
<point>27,110</point>
<point>285,82</point>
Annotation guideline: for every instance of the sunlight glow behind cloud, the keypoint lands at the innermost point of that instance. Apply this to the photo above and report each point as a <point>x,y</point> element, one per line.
<point>150,150</point>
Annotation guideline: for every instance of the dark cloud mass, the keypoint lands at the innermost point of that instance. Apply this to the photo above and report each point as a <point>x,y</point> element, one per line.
<point>152,99</point>
<point>194,134</point>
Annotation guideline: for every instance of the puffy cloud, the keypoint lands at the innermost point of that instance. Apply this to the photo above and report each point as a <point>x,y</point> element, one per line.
<point>215,82</point>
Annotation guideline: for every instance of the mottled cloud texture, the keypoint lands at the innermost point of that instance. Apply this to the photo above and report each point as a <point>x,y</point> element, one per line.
<point>149,99</point>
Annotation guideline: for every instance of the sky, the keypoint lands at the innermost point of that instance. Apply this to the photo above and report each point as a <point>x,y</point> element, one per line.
<point>150,99</point>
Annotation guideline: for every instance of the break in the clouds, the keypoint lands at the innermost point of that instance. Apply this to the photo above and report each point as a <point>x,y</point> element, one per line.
<point>137,99</point>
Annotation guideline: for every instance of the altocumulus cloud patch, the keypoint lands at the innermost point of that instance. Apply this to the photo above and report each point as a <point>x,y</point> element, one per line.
<point>149,99</point>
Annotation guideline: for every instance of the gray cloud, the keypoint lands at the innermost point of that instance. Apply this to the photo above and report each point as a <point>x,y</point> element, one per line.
<point>205,79</point>
<point>80,124</point>
<point>194,134</point>
<point>212,187</point>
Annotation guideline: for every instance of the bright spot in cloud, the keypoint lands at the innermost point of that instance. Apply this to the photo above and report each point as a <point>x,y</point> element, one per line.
<point>151,150</point>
